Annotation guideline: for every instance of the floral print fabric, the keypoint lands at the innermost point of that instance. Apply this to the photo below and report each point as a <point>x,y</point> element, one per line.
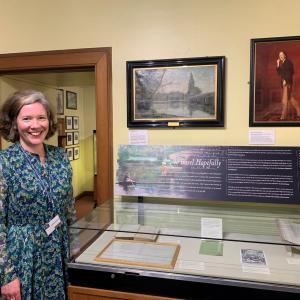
<point>32,194</point>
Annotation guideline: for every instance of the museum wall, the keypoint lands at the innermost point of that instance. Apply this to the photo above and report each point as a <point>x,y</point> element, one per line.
<point>158,29</point>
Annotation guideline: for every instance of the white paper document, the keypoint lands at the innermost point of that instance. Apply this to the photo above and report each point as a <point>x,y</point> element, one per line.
<point>161,255</point>
<point>138,137</point>
<point>262,137</point>
<point>211,228</point>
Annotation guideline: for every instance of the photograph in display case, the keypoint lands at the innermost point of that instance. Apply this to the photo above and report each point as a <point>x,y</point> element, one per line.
<point>185,92</point>
<point>274,77</point>
<point>253,256</point>
<point>140,253</point>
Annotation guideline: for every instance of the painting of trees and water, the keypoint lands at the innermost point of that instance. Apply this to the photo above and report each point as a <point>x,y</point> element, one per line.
<point>185,92</point>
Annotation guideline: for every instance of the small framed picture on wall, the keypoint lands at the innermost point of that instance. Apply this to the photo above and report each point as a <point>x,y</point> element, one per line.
<point>76,122</point>
<point>71,102</point>
<point>76,153</point>
<point>70,153</point>
<point>60,102</point>
<point>70,138</point>
<point>61,126</point>
<point>76,137</point>
<point>69,122</point>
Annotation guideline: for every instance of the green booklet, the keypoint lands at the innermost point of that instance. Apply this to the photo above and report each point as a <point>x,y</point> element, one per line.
<point>211,247</point>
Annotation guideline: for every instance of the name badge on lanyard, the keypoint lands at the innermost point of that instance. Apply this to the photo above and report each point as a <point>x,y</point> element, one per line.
<point>52,225</point>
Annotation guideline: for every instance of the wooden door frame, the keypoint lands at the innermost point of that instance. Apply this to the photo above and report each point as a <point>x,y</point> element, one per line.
<point>98,59</point>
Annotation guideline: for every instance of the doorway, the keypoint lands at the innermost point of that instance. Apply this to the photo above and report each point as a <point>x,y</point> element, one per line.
<point>97,61</point>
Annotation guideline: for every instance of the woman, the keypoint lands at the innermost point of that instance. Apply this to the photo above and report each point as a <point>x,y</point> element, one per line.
<point>36,203</point>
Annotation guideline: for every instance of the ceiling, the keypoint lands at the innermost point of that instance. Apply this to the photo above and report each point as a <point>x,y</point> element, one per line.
<point>80,78</point>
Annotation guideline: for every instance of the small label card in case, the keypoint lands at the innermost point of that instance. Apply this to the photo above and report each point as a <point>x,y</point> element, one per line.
<point>211,228</point>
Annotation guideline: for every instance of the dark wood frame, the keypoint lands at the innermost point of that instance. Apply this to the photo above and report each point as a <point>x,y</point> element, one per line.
<point>75,141</point>
<point>75,157</point>
<point>194,99</point>
<point>71,96</point>
<point>60,102</point>
<point>70,136</point>
<point>69,118</point>
<point>70,153</point>
<point>61,126</point>
<point>265,83</point>
<point>96,59</point>
<point>77,122</point>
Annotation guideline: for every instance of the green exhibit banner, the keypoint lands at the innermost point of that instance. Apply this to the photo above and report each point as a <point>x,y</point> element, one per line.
<point>232,173</point>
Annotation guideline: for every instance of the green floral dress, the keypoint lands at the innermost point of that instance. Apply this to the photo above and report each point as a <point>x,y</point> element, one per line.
<point>31,195</point>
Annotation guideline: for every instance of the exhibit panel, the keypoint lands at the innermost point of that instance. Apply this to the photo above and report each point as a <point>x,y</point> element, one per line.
<point>216,173</point>
<point>189,244</point>
<point>196,222</point>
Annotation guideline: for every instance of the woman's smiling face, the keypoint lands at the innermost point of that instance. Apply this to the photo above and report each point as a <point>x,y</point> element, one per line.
<point>33,125</point>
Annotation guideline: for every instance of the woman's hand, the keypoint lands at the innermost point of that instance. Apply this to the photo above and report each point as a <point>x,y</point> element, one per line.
<point>11,291</point>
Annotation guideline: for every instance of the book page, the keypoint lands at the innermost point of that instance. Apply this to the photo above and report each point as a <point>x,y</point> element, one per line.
<point>289,231</point>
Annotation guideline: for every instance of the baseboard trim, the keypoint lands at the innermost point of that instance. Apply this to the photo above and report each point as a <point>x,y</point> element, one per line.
<point>83,194</point>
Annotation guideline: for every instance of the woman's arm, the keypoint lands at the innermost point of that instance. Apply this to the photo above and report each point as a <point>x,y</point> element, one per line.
<point>10,285</point>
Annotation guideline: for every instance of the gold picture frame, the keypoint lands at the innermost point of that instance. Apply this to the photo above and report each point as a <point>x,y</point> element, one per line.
<point>140,253</point>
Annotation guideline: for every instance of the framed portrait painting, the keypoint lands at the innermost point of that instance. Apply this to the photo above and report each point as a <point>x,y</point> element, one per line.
<point>184,92</point>
<point>275,82</point>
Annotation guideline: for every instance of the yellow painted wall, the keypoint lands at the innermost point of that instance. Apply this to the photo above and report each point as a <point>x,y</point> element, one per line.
<point>156,29</point>
<point>143,29</point>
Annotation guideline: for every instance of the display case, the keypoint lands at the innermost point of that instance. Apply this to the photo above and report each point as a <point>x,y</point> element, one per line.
<point>189,249</point>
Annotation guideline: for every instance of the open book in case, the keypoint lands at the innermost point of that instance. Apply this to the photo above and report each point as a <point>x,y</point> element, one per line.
<point>187,249</point>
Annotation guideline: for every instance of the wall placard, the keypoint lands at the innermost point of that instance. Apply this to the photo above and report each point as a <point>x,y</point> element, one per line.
<point>249,174</point>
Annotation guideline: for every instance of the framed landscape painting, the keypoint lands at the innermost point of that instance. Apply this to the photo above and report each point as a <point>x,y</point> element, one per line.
<point>185,92</point>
